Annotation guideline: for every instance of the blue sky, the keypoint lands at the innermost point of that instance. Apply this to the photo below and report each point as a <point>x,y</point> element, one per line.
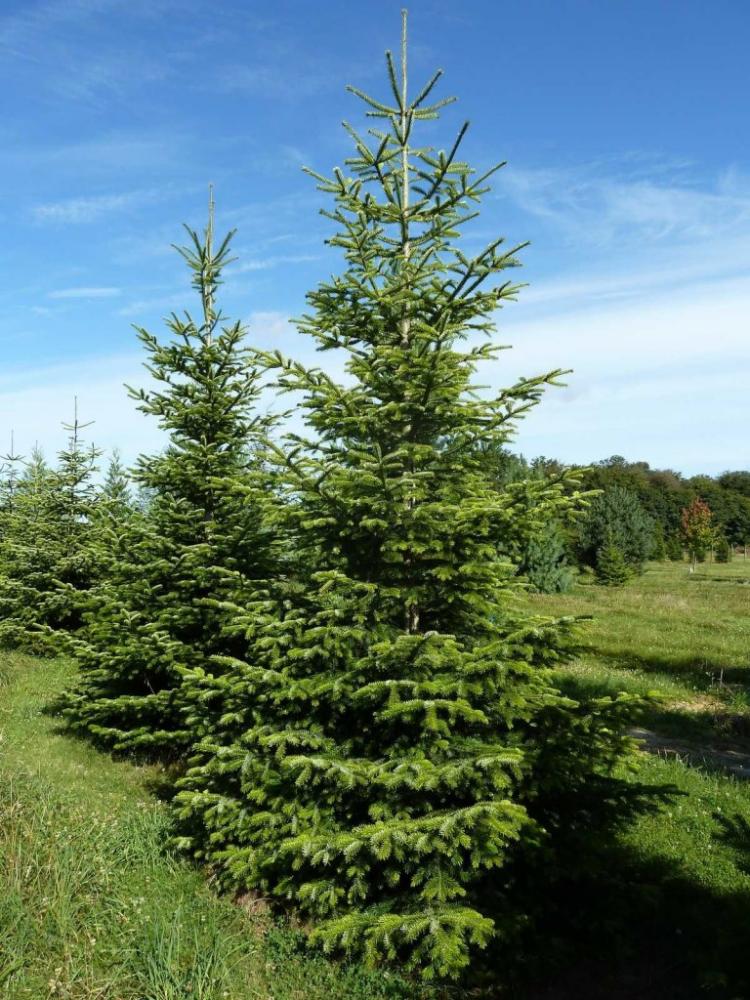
<point>625,127</point>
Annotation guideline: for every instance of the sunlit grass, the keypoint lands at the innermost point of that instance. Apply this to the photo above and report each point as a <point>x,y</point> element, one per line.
<point>685,635</point>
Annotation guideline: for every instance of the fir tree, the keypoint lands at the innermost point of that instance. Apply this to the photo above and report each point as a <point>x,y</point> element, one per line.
<point>198,539</point>
<point>116,486</point>
<point>11,471</point>
<point>544,499</point>
<point>723,550</point>
<point>617,517</point>
<point>545,563</point>
<point>611,566</point>
<point>46,553</point>
<point>73,502</point>
<point>395,740</point>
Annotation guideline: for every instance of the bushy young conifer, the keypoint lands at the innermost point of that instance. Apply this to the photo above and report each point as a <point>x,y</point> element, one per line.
<point>198,541</point>
<point>723,550</point>
<point>674,549</point>
<point>395,741</point>
<point>617,517</point>
<point>545,561</point>
<point>611,567</point>
<point>47,556</point>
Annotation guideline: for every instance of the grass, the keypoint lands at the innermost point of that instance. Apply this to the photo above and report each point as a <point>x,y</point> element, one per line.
<point>93,905</point>
<point>684,635</point>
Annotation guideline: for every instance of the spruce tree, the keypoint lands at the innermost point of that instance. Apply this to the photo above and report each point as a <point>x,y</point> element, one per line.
<point>617,516</point>
<point>395,742</point>
<point>611,567</point>
<point>545,563</point>
<point>723,550</point>
<point>196,543</point>
<point>46,551</point>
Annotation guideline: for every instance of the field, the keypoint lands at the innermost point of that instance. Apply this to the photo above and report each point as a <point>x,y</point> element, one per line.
<point>684,635</point>
<point>92,904</point>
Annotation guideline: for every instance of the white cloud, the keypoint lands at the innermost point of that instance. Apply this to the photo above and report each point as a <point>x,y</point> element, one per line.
<point>99,292</point>
<point>266,263</point>
<point>92,208</point>
<point>663,378</point>
<point>600,203</point>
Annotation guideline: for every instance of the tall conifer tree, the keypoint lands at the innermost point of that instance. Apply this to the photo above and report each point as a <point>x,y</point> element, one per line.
<point>196,543</point>
<point>401,742</point>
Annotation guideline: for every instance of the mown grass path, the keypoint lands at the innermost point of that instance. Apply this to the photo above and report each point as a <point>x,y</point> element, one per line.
<point>92,904</point>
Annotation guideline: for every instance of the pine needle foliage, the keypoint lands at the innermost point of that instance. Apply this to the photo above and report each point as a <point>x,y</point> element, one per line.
<point>545,564</point>
<point>611,567</point>
<point>393,743</point>
<point>617,517</point>
<point>47,556</point>
<point>196,543</point>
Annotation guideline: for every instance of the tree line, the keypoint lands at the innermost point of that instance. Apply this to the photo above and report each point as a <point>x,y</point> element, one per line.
<point>632,514</point>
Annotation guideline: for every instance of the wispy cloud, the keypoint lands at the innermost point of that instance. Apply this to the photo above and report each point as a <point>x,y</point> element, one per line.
<point>266,263</point>
<point>31,396</point>
<point>662,377</point>
<point>604,202</point>
<point>94,292</point>
<point>72,39</point>
<point>91,208</point>
<point>144,307</point>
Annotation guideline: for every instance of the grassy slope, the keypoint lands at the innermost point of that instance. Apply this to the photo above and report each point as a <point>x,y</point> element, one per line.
<point>91,905</point>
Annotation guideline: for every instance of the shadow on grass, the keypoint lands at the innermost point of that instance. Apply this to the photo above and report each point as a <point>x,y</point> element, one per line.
<point>738,581</point>
<point>638,928</point>
<point>735,831</point>
<point>614,923</point>
<point>701,671</point>
<point>710,725</point>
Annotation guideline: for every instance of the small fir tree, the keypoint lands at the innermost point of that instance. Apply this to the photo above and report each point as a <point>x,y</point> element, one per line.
<point>116,491</point>
<point>395,741</point>
<point>611,567</point>
<point>46,553</point>
<point>73,501</point>
<point>723,550</point>
<point>542,499</point>
<point>545,563</point>
<point>617,517</point>
<point>192,549</point>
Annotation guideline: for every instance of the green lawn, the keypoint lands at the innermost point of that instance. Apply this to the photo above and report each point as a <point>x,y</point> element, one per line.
<point>93,905</point>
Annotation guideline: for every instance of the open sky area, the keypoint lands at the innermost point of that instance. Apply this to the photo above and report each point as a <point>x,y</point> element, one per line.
<point>625,128</point>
